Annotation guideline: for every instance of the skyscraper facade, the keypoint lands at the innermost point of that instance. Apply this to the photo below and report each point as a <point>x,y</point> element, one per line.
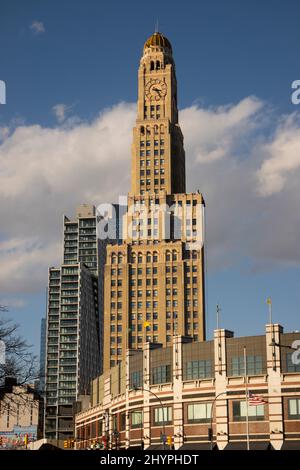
<point>154,280</point>
<point>41,384</point>
<point>74,333</point>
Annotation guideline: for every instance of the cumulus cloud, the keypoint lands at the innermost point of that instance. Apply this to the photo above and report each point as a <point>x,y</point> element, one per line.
<point>46,172</point>
<point>37,27</point>
<point>282,162</point>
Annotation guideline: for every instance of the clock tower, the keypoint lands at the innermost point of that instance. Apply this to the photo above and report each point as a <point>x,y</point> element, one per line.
<point>157,131</point>
<point>154,279</point>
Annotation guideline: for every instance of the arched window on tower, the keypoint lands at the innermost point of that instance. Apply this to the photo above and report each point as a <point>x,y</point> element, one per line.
<point>157,65</point>
<point>142,130</point>
<point>151,65</point>
<point>155,129</point>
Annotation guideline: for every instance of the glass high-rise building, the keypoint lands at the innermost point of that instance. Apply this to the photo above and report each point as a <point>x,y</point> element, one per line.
<point>74,322</point>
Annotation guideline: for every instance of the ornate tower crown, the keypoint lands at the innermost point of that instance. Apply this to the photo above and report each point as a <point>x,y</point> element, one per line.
<point>158,159</point>
<point>158,40</point>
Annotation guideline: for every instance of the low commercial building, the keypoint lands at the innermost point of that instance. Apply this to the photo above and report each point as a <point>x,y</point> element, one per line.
<point>176,394</point>
<point>21,415</point>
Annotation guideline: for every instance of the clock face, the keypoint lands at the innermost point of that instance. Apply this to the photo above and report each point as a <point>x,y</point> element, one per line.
<point>155,89</point>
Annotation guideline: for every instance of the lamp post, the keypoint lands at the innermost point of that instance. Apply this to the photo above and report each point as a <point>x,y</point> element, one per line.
<point>211,434</point>
<point>162,407</point>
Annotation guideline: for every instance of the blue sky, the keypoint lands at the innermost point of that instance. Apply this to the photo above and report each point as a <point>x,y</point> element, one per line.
<point>85,55</point>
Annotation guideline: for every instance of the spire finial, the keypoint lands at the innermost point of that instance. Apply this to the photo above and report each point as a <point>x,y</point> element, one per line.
<point>156,26</point>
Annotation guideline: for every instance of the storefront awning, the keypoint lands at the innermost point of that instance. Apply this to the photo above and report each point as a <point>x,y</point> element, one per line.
<point>290,445</point>
<point>198,446</point>
<point>158,447</point>
<point>254,445</point>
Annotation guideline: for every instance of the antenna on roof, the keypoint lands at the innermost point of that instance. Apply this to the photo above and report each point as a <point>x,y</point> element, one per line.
<point>156,26</point>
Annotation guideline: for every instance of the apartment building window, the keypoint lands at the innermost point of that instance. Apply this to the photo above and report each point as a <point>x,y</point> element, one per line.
<point>199,413</point>
<point>162,415</point>
<point>255,413</point>
<point>161,374</point>
<point>290,366</point>
<point>136,379</point>
<point>254,365</point>
<point>200,369</point>
<point>136,419</point>
<point>294,408</point>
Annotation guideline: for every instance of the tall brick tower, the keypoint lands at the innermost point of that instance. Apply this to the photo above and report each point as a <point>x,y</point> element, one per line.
<point>154,280</point>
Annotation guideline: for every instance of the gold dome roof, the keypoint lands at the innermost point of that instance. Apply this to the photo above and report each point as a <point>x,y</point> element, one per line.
<point>159,40</point>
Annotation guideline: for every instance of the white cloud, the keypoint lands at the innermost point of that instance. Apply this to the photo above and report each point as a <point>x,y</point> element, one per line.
<point>282,161</point>
<point>37,27</point>
<point>45,172</point>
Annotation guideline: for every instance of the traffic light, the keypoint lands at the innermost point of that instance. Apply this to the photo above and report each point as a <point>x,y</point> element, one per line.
<point>169,441</point>
<point>26,440</point>
<point>66,444</point>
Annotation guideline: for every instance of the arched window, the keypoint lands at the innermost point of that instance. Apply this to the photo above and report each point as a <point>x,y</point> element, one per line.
<point>157,65</point>
<point>148,130</point>
<point>120,258</point>
<point>168,256</point>
<point>162,130</point>
<point>142,130</point>
<point>155,129</point>
<point>155,257</point>
<point>174,255</point>
<point>149,258</point>
<point>140,258</point>
<point>113,259</point>
<point>151,65</point>
<point>133,258</point>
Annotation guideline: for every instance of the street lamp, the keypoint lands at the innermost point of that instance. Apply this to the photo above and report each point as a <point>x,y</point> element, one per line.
<point>163,412</point>
<point>210,430</point>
